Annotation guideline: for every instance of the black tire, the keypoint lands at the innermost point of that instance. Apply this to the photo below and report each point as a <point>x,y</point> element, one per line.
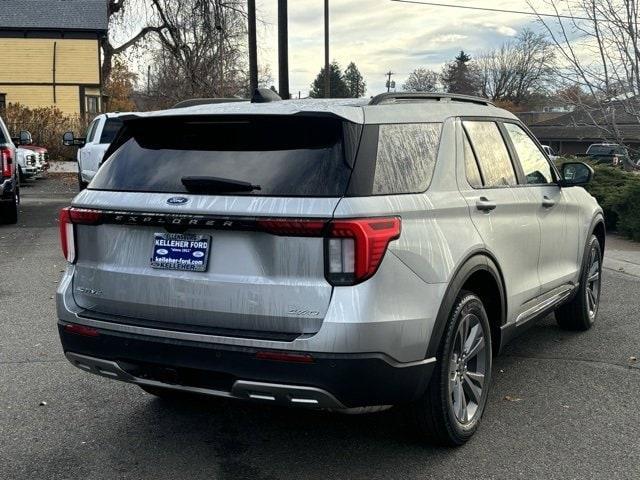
<point>9,210</point>
<point>23,179</point>
<point>433,416</point>
<point>580,313</point>
<point>81,183</point>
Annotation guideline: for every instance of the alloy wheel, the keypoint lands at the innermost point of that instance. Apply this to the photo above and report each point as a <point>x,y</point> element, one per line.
<point>592,290</point>
<point>467,369</point>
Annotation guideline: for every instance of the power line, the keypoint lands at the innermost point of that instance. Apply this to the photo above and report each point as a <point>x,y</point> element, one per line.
<point>495,10</point>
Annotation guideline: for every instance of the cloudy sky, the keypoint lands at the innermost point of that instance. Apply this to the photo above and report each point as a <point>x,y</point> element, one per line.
<point>381,35</point>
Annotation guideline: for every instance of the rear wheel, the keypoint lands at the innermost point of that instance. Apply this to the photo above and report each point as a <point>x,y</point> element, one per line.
<point>580,313</point>
<point>9,210</point>
<point>450,410</point>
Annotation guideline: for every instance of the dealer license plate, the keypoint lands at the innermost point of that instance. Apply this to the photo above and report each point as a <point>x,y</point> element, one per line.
<point>177,251</point>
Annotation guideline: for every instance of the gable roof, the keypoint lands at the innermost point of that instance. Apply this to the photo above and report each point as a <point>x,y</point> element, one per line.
<point>74,15</point>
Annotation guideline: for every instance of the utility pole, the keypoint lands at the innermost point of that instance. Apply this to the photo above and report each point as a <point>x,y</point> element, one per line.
<point>253,47</point>
<point>390,84</point>
<point>327,78</point>
<point>283,50</point>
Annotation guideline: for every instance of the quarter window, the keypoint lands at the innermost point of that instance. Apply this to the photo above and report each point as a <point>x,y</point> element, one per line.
<point>406,157</point>
<point>492,154</point>
<point>534,164</point>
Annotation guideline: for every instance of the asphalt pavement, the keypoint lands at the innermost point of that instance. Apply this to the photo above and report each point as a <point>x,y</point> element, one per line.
<point>562,405</point>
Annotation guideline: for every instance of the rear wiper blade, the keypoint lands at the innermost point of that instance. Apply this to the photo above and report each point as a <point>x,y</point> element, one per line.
<point>217,185</point>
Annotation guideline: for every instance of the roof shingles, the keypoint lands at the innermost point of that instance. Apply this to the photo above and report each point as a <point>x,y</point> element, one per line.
<point>69,15</point>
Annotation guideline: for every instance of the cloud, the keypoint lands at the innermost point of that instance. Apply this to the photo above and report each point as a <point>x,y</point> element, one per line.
<point>379,35</point>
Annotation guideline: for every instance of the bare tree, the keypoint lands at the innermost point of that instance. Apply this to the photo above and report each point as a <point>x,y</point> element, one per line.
<point>599,51</point>
<point>200,49</point>
<point>119,15</point>
<point>516,70</point>
<point>422,80</point>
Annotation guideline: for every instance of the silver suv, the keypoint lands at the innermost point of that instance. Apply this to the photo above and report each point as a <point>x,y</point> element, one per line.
<point>339,254</point>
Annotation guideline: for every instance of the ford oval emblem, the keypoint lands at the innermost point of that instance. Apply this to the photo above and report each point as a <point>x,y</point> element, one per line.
<point>177,200</point>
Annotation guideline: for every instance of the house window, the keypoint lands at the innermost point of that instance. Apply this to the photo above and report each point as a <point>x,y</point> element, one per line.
<point>93,104</point>
<point>3,102</point>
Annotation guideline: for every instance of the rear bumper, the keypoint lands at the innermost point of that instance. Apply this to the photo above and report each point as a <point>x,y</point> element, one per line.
<point>334,381</point>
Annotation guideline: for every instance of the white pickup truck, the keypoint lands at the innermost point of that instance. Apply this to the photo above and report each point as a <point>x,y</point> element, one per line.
<point>92,148</point>
<point>27,163</point>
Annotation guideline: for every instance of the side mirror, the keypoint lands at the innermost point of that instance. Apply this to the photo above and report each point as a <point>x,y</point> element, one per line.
<point>25,138</point>
<point>70,140</point>
<point>575,174</point>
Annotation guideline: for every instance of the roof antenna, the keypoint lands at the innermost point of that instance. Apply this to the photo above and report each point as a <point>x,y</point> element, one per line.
<point>265,95</point>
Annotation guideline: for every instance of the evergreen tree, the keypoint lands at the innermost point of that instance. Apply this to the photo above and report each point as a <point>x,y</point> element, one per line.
<point>356,86</point>
<point>337,89</point>
<point>460,76</point>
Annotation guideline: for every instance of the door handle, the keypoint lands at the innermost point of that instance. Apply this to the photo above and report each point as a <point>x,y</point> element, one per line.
<point>485,205</point>
<point>548,202</point>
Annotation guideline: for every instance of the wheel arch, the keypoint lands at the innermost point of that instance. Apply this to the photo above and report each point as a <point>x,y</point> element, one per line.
<point>599,230</point>
<point>479,273</point>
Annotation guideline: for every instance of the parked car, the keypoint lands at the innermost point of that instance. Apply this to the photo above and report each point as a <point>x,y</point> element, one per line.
<point>611,154</point>
<point>346,254</point>
<point>27,163</point>
<point>100,134</point>
<point>553,156</point>
<point>42,157</point>
<point>9,175</point>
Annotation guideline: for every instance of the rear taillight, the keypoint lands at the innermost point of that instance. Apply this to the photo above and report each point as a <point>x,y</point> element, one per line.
<point>67,219</point>
<point>294,228</point>
<point>6,162</point>
<point>354,249</point>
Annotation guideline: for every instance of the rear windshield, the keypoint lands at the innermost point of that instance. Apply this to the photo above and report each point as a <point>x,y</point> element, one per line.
<point>604,149</point>
<point>111,128</point>
<point>282,155</point>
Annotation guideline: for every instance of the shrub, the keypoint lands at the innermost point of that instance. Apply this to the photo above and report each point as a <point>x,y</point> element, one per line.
<point>618,193</point>
<point>609,186</point>
<point>47,125</point>
<point>629,211</point>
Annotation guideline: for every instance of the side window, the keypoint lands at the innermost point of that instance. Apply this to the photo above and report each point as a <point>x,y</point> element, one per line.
<point>534,164</point>
<point>471,164</point>
<point>406,157</point>
<point>111,128</point>
<point>491,151</point>
<point>92,130</point>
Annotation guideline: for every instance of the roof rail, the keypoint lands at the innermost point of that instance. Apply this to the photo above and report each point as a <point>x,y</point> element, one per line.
<point>427,96</point>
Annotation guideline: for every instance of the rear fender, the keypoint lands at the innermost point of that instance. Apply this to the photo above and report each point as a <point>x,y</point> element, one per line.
<point>477,261</point>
